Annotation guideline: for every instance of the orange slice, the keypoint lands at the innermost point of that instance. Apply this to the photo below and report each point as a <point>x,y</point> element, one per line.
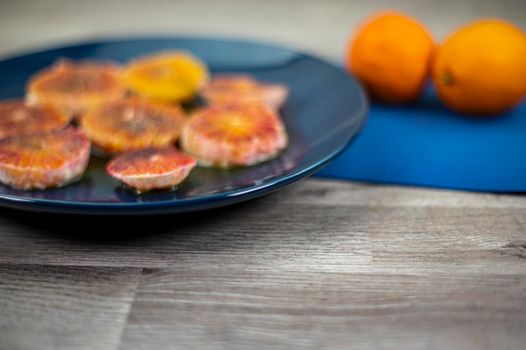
<point>153,168</point>
<point>43,160</point>
<point>234,135</point>
<point>243,89</point>
<point>17,118</point>
<point>131,124</point>
<point>168,76</point>
<point>75,87</point>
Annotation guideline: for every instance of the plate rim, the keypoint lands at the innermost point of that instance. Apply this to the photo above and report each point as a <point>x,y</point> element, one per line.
<point>208,201</point>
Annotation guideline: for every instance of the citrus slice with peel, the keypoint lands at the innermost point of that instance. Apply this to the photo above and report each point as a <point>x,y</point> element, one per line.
<point>43,160</point>
<point>132,124</point>
<point>75,87</point>
<point>152,168</point>
<point>169,76</point>
<point>243,89</point>
<point>17,118</point>
<point>233,135</point>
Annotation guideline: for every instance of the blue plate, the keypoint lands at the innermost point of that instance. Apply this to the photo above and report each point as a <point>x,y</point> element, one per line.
<point>325,110</point>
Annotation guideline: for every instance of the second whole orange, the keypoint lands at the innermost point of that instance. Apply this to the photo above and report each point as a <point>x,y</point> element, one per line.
<point>390,54</point>
<point>480,69</point>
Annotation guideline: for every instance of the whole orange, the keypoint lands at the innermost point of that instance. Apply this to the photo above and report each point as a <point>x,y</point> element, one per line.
<point>481,68</point>
<point>390,54</point>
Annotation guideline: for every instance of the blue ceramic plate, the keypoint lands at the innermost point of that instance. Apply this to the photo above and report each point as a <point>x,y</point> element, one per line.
<point>325,110</point>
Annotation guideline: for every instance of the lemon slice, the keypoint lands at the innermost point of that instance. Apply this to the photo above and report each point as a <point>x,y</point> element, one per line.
<point>168,76</point>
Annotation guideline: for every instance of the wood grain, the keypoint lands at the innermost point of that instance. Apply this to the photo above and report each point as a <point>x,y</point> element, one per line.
<point>334,192</point>
<point>319,265</point>
<point>217,308</point>
<point>289,229</point>
<point>45,307</point>
<point>307,267</point>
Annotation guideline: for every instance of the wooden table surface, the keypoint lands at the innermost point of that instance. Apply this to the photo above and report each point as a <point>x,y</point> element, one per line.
<point>319,265</point>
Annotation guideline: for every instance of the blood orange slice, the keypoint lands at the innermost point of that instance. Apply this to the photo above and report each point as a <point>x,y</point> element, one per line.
<point>243,89</point>
<point>168,76</point>
<point>234,135</point>
<point>76,87</point>
<point>132,124</point>
<point>152,168</point>
<point>43,160</point>
<point>17,118</point>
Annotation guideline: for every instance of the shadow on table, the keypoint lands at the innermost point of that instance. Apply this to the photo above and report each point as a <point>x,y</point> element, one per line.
<point>100,229</point>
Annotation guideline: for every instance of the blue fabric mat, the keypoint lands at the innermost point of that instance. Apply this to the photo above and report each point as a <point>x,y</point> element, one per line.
<point>427,145</point>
